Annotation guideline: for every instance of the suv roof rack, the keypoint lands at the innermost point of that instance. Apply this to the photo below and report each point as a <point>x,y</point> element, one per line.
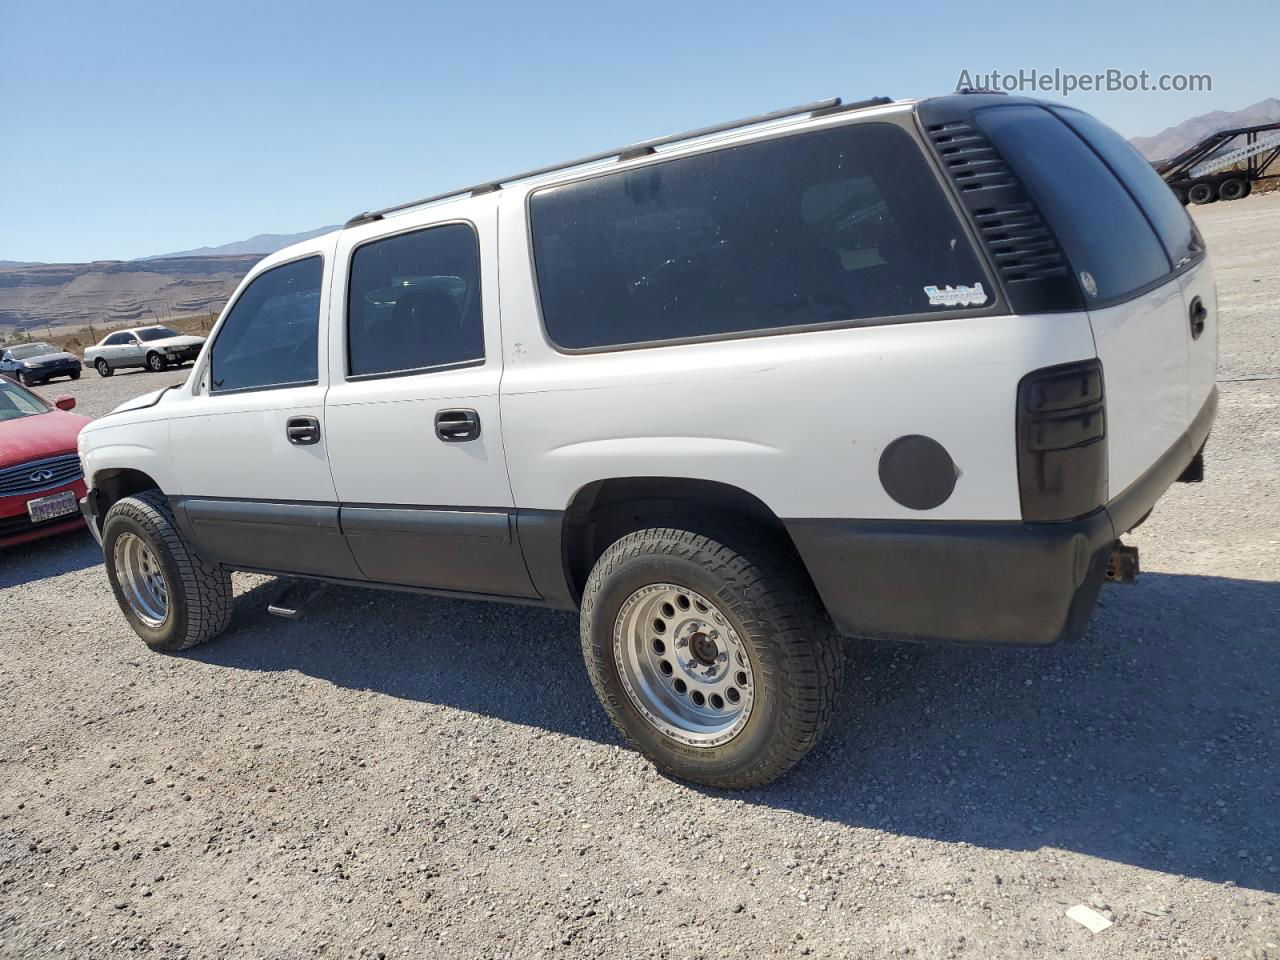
<point>820,108</point>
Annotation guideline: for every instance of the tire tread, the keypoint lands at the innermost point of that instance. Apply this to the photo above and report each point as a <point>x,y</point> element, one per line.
<point>206,587</point>
<point>782,601</point>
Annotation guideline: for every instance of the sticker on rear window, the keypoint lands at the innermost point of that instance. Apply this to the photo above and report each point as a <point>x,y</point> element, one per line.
<point>957,296</point>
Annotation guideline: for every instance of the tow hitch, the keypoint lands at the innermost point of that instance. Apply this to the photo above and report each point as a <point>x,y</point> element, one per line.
<point>296,595</point>
<point>1123,565</point>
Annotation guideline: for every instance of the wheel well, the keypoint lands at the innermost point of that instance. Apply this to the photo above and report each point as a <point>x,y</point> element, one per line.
<point>112,485</point>
<point>605,510</point>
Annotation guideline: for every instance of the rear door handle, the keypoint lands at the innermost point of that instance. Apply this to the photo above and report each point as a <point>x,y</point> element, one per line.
<point>302,431</point>
<point>457,424</point>
<point>1199,314</point>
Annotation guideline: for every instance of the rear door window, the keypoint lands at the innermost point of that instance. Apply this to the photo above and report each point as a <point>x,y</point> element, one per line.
<point>414,302</point>
<point>1178,234</point>
<point>1106,236</point>
<point>834,226</point>
<point>271,336</point>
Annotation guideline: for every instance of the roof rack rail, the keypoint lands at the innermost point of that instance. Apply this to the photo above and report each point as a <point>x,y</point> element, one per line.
<point>631,152</point>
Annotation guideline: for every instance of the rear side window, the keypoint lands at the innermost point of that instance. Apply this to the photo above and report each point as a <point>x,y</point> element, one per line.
<point>1106,237</point>
<point>271,336</point>
<point>414,302</point>
<point>834,226</point>
<point>116,339</point>
<point>1168,216</point>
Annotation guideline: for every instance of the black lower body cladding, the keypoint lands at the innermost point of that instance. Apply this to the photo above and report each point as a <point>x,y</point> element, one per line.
<point>980,582</point>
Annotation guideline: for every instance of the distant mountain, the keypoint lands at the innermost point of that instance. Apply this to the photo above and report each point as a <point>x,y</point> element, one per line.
<point>114,291</point>
<point>263,243</point>
<point>18,263</point>
<point>1172,141</point>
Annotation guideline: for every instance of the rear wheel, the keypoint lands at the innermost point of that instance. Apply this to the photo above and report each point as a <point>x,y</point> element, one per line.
<point>171,597</point>
<point>155,362</point>
<point>710,653</point>
<point>1201,193</point>
<point>103,368</point>
<point>1232,189</point>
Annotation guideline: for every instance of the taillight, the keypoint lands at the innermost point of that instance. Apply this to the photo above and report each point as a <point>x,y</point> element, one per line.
<point>1062,441</point>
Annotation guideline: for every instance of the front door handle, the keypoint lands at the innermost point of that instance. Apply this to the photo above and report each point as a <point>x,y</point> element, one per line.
<point>302,431</point>
<point>1199,314</point>
<point>457,425</point>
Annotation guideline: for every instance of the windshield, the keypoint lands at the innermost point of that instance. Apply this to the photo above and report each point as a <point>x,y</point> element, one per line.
<point>156,333</point>
<point>16,402</point>
<point>32,350</point>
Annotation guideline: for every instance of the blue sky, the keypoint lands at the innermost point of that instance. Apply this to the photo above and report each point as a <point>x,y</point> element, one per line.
<point>131,128</point>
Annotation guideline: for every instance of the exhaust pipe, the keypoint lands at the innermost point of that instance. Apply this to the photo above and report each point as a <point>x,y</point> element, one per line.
<point>1122,567</point>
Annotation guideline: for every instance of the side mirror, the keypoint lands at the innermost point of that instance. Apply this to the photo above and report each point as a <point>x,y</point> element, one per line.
<point>65,402</point>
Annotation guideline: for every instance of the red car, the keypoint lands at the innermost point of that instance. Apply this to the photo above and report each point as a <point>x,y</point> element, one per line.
<point>40,480</point>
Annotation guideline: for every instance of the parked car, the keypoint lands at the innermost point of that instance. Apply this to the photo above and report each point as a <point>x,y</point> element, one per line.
<point>33,363</point>
<point>40,479</point>
<point>903,370</point>
<point>154,348</point>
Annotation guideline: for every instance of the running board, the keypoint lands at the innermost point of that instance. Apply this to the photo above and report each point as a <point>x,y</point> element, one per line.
<point>294,598</point>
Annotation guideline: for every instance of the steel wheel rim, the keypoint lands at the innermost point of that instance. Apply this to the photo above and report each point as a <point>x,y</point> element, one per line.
<point>684,666</point>
<point>141,579</point>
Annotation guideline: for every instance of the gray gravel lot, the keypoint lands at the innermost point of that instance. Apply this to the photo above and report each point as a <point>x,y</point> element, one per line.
<point>413,777</point>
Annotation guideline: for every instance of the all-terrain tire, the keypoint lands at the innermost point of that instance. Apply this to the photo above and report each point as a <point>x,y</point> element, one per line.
<point>103,368</point>
<point>796,655</point>
<point>199,592</point>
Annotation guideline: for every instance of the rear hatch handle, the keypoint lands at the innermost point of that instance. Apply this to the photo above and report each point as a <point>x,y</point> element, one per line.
<point>1199,313</point>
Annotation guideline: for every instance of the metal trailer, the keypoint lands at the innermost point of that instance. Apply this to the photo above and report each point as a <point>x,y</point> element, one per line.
<point>1224,165</point>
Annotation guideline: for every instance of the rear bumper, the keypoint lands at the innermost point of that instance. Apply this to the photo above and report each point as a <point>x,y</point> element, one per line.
<point>980,582</point>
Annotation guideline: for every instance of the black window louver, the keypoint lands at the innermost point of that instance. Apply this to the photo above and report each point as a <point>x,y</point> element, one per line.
<point>1031,264</point>
<point>1015,234</point>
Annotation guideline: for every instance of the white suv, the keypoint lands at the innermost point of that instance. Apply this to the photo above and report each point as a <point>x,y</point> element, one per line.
<point>893,369</point>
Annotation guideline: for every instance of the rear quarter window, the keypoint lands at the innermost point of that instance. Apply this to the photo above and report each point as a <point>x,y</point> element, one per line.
<point>1107,238</point>
<point>1167,215</point>
<point>840,225</point>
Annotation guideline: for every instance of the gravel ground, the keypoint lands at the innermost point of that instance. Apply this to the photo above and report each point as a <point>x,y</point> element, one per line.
<point>414,777</point>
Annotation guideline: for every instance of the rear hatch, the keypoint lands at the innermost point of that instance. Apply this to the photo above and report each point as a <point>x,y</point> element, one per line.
<point>1140,267</point>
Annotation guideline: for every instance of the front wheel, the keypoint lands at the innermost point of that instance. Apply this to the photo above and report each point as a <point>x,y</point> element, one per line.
<point>710,653</point>
<point>75,374</point>
<point>171,597</point>
<point>103,368</point>
<point>26,379</point>
<point>155,362</point>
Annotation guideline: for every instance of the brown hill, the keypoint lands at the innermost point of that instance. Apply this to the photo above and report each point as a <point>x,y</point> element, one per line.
<point>111,292</point>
